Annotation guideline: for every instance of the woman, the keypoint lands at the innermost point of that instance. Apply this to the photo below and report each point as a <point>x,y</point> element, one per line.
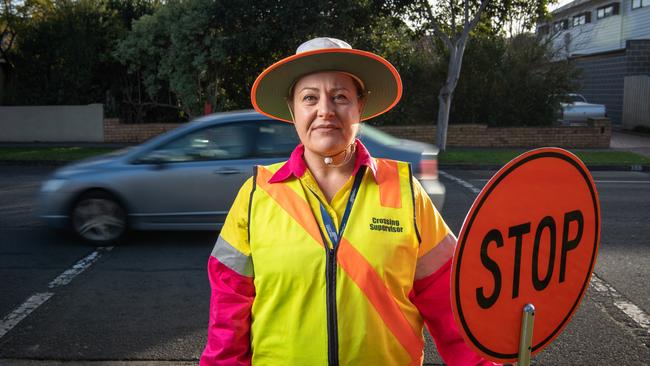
<point>332,257</point>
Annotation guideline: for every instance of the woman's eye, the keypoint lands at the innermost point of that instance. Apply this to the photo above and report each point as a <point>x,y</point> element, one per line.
<point>309,98</point>
<point>340,98</point>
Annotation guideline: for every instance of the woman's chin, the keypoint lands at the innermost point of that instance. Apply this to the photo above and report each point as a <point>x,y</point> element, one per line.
<point>327,147</point>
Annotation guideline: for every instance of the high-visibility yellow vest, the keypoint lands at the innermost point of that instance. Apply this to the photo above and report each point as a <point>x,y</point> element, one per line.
<point>316,305</point>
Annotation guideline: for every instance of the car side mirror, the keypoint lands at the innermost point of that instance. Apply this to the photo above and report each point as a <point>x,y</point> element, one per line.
<point>157,158</point>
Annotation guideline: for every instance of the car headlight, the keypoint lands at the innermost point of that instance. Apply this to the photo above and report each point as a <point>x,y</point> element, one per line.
<point>52,185</point>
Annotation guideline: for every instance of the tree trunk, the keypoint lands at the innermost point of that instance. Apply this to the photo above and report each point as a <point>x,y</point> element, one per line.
<point>444,106</point>
<point>446,93</point>
<point>456,46</point>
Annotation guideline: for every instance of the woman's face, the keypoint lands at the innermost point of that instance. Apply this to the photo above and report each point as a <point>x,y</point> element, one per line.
<point>326,109</point>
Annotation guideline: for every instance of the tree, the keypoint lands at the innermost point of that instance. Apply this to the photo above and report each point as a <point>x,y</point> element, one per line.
<point>14,16</point>
<point>511,81</point>
<point>211,51</point>
<point>452,23</point>
<point>61,53</point>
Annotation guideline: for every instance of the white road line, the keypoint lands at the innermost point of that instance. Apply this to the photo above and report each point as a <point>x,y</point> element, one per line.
<point>632,311</point>
<point>23,311</point>
<point>38,299</point>
<point>460,181</point>
<point>67,276</point>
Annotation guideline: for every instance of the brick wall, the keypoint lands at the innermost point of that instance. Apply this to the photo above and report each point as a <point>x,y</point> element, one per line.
<point>114,131</point>
<point>596,135</point>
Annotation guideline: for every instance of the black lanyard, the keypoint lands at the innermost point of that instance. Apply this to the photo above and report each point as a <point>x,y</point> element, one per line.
<point>330,228</point>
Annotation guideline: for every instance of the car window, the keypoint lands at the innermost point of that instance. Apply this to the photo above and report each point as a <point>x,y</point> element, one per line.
<point>223,142</point>
<point>275,139</point>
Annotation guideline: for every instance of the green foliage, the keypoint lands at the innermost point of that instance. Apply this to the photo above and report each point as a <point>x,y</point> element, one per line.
<point>149,60</point>
<point>510,82</point>
<point>211,51</point>
<point>58,56</point>
<point>62,51</point>
<point>503,82</point>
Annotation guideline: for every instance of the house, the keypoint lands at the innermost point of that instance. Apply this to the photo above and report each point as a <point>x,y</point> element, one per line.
<point>608,40</point>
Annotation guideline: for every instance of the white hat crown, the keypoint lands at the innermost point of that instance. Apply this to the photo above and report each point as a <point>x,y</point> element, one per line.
<point>322,43</point>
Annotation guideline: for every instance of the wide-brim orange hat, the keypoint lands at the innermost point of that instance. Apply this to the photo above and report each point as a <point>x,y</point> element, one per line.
<point>379,79</point>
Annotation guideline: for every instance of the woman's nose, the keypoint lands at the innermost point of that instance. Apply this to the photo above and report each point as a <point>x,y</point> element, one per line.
<point>325,108</point>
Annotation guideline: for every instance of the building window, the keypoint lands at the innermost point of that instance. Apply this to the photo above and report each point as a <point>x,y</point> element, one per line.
<point>636,4</point>
<point>560,25</point>
<point>583,18</point>
<point>607,11</point>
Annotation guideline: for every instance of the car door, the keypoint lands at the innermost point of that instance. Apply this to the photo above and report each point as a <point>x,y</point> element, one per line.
<point>191,181</point>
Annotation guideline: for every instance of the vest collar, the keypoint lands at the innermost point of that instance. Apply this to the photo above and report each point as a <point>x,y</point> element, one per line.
<point>296,166</point>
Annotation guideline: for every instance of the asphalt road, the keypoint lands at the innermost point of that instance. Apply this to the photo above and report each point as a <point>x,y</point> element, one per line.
<point>145,301</point>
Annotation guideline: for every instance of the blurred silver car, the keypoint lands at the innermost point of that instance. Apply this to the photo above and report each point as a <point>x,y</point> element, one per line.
<point>187,178</point>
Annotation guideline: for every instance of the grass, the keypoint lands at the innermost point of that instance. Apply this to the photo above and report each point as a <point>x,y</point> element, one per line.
<point>67,153</point>
<point>451,156</point>
<point>502,156</point>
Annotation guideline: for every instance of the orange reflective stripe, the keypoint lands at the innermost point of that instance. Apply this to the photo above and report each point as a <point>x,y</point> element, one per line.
<point>388,180</point>
<point>289,200</point>
<point>362,273</point>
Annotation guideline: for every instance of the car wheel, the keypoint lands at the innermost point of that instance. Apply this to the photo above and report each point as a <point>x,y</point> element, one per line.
<point>98,218</point>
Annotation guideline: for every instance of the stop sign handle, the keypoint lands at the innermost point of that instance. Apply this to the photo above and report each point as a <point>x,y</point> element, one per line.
<point>526,338</point>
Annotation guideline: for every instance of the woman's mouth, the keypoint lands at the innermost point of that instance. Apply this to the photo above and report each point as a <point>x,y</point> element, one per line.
<point>325,128</point>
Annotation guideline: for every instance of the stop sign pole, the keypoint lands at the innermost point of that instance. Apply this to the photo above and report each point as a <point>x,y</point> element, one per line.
<point>526,338</point>
<point>525,254</point>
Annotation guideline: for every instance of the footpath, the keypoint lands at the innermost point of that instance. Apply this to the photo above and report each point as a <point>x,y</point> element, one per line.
<point>629,141</point>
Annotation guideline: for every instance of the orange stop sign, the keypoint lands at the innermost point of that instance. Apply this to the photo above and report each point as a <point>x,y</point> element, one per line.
<point>531,236</point>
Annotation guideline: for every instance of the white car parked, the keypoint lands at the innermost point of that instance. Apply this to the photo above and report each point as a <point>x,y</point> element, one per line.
<point>577,109</point>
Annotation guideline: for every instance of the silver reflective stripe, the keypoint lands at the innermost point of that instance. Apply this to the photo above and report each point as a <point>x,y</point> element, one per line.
<point>233,258</point>
<point>436,257</point>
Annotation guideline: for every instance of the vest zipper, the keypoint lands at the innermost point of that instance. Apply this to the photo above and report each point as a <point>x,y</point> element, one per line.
<point>330,270</point>
<point>332,323</point>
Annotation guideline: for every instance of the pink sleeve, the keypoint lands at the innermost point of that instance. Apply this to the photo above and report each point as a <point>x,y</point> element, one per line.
<point>230,309</point>
<point>432,296</point>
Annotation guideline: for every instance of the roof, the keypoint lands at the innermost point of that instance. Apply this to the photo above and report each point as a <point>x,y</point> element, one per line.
<point>570,5</point>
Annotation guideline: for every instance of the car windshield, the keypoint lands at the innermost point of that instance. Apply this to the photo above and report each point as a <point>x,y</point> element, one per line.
<point>573,98</point>
<point>378,135</point>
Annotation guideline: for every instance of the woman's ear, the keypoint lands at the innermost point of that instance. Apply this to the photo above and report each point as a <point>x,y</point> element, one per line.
<point>290,106</point>
<point>361,102</point>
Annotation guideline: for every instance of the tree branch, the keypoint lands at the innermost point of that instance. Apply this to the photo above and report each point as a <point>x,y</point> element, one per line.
<point>452,8</point>
<point>477,16</point>
<point>469,26</point>
<point>434,26</point>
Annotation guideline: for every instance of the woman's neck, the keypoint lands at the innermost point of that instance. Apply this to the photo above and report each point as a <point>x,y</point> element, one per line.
<point>330,177</point>
<point>340,164</point>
